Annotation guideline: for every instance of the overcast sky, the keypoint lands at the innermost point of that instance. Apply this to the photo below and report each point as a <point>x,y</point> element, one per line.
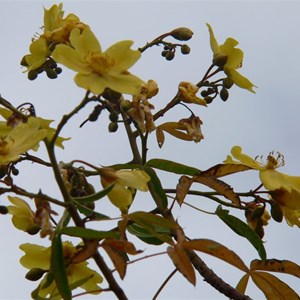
<point>268,32</point>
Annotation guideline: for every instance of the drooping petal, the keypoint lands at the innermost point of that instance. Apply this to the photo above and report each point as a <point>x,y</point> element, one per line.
<point>137,179</point>
<point>123,56</point>
<point>35,256</point>
<point>240,80</point>
<point>70,58</point>
<point>213,42</point>
<point>274,180</point>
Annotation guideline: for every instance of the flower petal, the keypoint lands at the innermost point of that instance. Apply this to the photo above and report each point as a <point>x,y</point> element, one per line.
<point>240,80</point>
<point>213,42</point>
<point>70,58</point>
<point>123,56</point>
<point>137,179</point>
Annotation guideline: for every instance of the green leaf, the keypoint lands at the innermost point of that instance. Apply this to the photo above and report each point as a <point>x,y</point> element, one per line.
<point>171,166</point>
<point>58,268</point>
<point>156,184</point>
<point>91,213</point>
<point>96,196</point>
<point>242,229</point>
<point>145,236</point>
<point>88,233</point>
<point>151,223</point>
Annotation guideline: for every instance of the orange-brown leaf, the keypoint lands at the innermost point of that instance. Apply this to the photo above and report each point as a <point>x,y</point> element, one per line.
<point>225,169</point>
<point>87,251</point>
<point>217,250</point>
<point>182,262</point>
<point>182,188</point>
<point>274,265</point>
<point>219,186</point>
<point>272,287</point>
<point>118,257</point>
<point>242,285</point>
<point>160,136</point>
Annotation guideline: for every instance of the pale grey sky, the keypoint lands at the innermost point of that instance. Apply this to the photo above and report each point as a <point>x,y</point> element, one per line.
<point>268,32</point>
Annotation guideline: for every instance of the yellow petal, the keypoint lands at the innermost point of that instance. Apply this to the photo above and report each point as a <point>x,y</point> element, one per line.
<point>245,159</point>
<point>239,79</point>
<point>213,42</point>
<point>123,56</point>
<point>137,179</point>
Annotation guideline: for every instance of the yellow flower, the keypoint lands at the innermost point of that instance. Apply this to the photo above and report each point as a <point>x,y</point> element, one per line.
<point>121,194</point>
<point>13,120</point>
<point>187,93</point>
<point>18,140</point>
<point>284,189</point>
<point>98,70</point>
<point>22,215</point>
<point>231,59</point>
<point>56,31</point>
<point>39,257</point>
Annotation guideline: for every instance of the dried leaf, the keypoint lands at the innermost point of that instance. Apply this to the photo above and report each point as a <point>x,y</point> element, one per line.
<point>182,188</point>
<point>88,250</point>
<point>217,250</point>
<point>242,285</point>
<point>272,287</point>
<point>182,262</point>
<point>118,258</point>
<point>160,136</point>
<point>225,169</point>
<point>219,186</point>
<point>274,265</point>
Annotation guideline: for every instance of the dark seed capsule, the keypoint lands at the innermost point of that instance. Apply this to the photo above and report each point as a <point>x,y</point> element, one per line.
<point>185,49</point>
<point>227,83</point>
<point>51,73</point>
<point>224,94</point>
<point>58,70</point>
<point>35,274</point>
<point>113,127</point>
<point>113,116</point>
<point>170,55</point>
<point>164,53</point>
<point>15,171</point>
<point>208,99</point>
<point>204,93</point>
<point>32,75</point>
<point>3,210</point>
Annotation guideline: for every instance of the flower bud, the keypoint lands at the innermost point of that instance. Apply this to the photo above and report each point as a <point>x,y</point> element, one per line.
<point>185,49</point>
<point>3,210</point>
<point>32,74</point>
<point>35,274</point>
<point>276,212</point>
<point>224,94</point>
<point>170,55</point>
<point>51,73</point>
<point>113,127</point>
<point>220,60</point>
<point>33,230</point>
<point>228,82</point>
<point>113,116</point>
<point>182,34</point>
<point>24,62</point>
<point>208,99</point>
<point>125,105</point>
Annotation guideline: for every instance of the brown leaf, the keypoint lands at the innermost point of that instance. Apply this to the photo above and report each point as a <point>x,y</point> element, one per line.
<point>88,250</point>
<point>272,287</point>
<point>242,285</point>
<point>225,169</point>
<point>182,188</point>
<point>217,250</point>
<point>274,265</point>
<point>182,262</point>
<point>160,137</point>
<point>118,257</point>
<point>219,186</point>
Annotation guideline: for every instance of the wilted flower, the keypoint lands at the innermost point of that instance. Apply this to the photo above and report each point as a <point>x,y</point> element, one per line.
<point>186,129</point>
<point>140,110</point>
<point>284,189</point>
<point>187,93</point>
<point>98,70</point>
<point>230,58</point>
<point>121,194</point>
<point>38,257</point>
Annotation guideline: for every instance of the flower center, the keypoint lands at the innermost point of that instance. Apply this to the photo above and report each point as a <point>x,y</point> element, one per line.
<point>99,62</point>
<point>4,146</point>
<point>275,162</point>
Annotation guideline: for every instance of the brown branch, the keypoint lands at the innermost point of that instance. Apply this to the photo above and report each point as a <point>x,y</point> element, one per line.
<point>215,281</point>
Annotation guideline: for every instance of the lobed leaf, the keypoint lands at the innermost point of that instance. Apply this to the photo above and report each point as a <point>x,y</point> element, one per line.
<point>217,250</point>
